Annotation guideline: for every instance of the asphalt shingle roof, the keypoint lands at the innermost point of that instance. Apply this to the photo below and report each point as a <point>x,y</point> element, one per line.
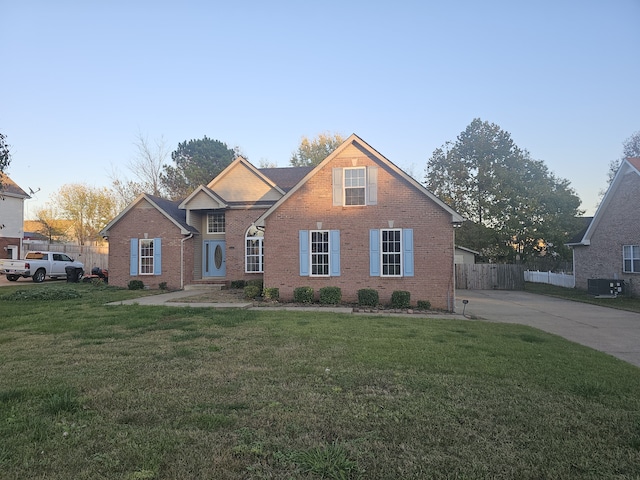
<point>286,177</point>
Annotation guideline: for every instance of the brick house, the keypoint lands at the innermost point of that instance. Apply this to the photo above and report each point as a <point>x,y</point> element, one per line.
<point>609,248</point>
<point>354,221</point>
<point>12,199</point>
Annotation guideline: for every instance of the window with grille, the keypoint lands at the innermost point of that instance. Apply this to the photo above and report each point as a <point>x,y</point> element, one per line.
<point>391,251</point>
<point>631,258</point>
<point>319,253</point>
<point>355,180</point>
<point>215,223</point>
<point>146,256</point>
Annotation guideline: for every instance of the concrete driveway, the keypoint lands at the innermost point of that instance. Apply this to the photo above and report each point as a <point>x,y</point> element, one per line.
<point>612,331</point>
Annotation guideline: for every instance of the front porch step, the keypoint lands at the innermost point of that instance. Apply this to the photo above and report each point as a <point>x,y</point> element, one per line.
<point>205,286</point>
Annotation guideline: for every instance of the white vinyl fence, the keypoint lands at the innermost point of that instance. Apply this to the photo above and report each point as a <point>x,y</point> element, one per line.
<point>558,279</point>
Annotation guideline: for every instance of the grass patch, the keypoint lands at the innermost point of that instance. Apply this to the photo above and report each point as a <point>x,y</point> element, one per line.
<point>94,391</point>
<point>623,302</point>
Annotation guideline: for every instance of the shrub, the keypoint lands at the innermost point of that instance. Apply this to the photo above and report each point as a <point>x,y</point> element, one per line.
<point>252,291</point>
<point>30,294</point>
<point>303,295</point>
<point>163,285</point>
<point>330,295</point>
<point>368,297</point>
<point>271,293</point>
<point>424,305</point>
<point>238,284</point>
<point>400,299</point>
<point>136,285</point>
<point>256,283</point>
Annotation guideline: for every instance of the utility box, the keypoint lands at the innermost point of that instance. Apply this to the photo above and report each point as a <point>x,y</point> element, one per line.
<point>605,287</point>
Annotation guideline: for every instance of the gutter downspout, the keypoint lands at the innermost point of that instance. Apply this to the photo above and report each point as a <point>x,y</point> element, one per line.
<point>182,259</point>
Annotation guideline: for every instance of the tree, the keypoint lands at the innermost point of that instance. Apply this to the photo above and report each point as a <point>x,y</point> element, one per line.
<point>516,208</point>
<point>148,163</point>
<point>88,208</point>
<point>197,162</point>
<point>146,166</point>
<point>124,191</point>
<point>630,149</point>
<point>5,158</point>
<point>49,223</point>
<point>312,152</point>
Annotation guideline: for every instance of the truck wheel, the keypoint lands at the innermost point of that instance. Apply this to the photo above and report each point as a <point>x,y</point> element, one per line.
<point>38,277</point>
<point>13,278</point>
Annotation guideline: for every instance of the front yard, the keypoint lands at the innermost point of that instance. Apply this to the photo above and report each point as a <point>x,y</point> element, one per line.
<point>136,392</point>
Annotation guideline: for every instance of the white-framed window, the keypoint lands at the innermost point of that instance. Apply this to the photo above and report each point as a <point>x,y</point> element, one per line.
<point>215,223</point>
<point>631,258</point>
<point>355,182</point>
<point>319,248</point>
<point>391,252</point>
<point>146,256</point>
<point>254,253</point>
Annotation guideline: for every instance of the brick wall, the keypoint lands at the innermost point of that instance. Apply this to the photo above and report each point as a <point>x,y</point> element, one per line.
<point>236,224</point>
<point>398,202</point>
<point>140,220</point>
<point>619,225</point>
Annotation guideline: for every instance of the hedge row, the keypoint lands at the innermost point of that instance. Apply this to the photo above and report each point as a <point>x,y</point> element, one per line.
<point>367,297</point>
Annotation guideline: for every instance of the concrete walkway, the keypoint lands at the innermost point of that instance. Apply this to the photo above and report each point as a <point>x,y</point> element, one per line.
<point>612,331</point>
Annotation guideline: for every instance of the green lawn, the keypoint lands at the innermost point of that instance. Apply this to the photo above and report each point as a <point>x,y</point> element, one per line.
<point>622,302</point>
<point>131,392</point>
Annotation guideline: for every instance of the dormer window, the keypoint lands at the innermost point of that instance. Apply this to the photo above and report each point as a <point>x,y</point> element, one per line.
<point>355,186</point>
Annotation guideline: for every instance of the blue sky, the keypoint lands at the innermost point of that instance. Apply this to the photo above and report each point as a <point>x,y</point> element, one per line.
<point>82,79</point>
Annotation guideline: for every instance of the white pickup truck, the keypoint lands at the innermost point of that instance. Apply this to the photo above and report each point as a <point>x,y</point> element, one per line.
<point>39,265</point>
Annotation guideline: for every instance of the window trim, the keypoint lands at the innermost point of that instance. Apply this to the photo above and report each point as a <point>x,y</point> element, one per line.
<point>363,187</point>
<point>326,253</point>
<point>151,265</point>
<point>400,252</point>
<point>259,256</point>
<point>212,224</point>
<point>634,256</point>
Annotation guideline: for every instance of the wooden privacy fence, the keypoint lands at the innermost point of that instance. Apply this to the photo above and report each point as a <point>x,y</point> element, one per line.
<point>90,256</point>
<point>489,276</point>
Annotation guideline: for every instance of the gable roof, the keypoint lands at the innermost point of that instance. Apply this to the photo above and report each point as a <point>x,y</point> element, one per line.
<point>217,199</point>
<point>465,249</point>
<point>168,208</point>
<point>244,162</point>
<point>353,138</point>
<point>10,188</point>
<point>286,177</point>
<point>628,166</point>
<point>577,238</point>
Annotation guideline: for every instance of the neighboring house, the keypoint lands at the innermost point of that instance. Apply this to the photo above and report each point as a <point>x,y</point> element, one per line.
<point>12,199</point>
<point>59,231</point>
<point>610,246</point>
<point>465,255</point>
<point>354,221</point>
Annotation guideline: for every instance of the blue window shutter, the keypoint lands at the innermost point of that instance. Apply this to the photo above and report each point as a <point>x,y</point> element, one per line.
<point>407,251</point>
<point>157,256</point>
<point>133,257</point>
<point>337,186</point>
<point>374,253</point>
<point>334,261</point>
<point>372,185</point>
<point>303,237</point>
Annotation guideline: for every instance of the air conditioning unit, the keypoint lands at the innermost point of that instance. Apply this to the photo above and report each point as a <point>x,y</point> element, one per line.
<point>605,287</point>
